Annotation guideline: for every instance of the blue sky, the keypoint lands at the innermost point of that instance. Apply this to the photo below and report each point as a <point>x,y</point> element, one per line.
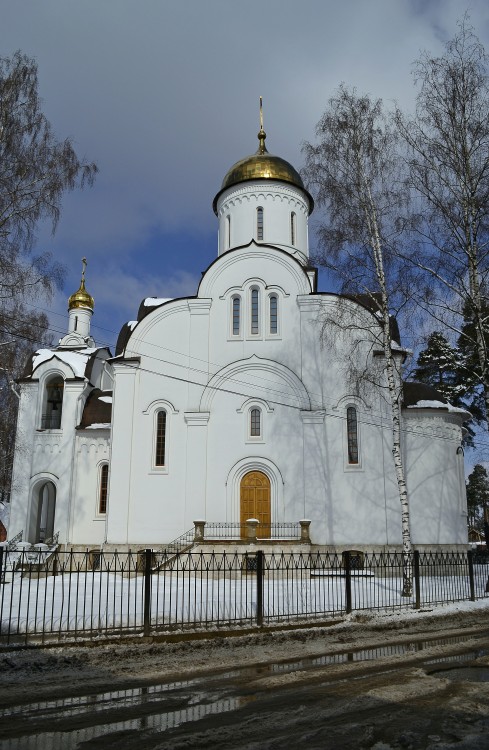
<point>163,95</point>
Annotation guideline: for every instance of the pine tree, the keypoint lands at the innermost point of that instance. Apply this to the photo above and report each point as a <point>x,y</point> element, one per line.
<point>438,365</point>
<point>478,497</point>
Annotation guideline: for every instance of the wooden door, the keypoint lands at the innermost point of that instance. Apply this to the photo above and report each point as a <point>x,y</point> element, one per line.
<point>255,501</point>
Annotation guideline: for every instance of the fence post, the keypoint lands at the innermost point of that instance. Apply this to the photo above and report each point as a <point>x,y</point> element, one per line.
<point>199,527</point>
<point>148,553</point>
<point>259,587</point>
<point>347,564</point>
<point>305,536</point>
<point>417,583</point>
<point>251,526</point>
<point>470,560</point>
<point>1,564</point>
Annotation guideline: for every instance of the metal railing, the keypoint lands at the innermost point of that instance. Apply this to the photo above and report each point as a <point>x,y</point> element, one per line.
<point>51,421</point>
<point>228,531</point>
<point>96,593</point>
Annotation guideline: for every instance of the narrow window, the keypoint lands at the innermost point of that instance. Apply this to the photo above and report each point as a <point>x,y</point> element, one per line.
<point>254,311</point>
<point>292,228</point>
<point>160,438</point>
<point>255,423</point>
<point>104,481</point>
<point>51,417</point>
<point>76,322</point>
<point>228,232</point>
<point>259,223</point>
<point>274,314</point>
<point>352,434</point>
<point>236,315</point>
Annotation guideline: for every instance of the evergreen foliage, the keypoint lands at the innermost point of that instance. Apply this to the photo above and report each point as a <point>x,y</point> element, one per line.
<point>477,497</point>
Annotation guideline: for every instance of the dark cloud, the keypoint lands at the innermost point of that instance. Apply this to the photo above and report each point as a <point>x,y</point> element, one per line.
<point>164,96</point>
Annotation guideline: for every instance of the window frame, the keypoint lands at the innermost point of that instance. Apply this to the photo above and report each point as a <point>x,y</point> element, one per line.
<point>239,334</point>
<point>102,489</point>
<point>255,290</point>
<point>293,228</point>
<point>350,465</point>
<point>228,232</point>
<point>51,381</point>
<point>260,224</point>
<point>156,448</point>
<point>270,333</point>
<point>250,437</point>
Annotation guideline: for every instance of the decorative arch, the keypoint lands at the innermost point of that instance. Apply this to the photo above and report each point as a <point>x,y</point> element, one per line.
<point>42,507</point>
<point>290,390</point>
<point>160,403</point>
<point>233,486</point>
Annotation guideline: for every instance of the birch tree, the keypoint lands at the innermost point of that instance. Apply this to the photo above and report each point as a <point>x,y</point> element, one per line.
<point>36,170</point>
<point>448,143</point>
<point>353,172</point>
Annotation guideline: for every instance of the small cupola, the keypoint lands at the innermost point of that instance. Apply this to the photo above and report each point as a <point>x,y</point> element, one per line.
<point>80,311</point>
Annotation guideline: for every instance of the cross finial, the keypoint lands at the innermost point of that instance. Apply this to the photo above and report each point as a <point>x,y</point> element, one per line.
<point>84,265</point>
<point>262,149</point>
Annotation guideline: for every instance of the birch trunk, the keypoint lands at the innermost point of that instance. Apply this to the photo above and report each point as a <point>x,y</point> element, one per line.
<point>394,390</point>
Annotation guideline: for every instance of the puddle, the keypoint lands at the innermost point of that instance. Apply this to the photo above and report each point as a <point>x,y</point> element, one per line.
<point>464,674</point>
<point>98,709</point>
<point>65,724</point>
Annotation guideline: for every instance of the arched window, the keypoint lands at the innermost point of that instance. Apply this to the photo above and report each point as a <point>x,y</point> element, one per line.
<point>255,422</point>
<point>259,223</point>
<point>228,232</point>
<point>352,434</point>
<point>104,483</point>
<point>273,301</point>
<point>53,405</point>
<point>160,442</point>
<point>292,228</point>
<point>236,316</point>
<point>255,312</point>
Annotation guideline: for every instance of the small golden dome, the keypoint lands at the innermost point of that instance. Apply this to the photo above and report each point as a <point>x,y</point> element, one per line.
<point>262,166</point>
<point>81,298</point>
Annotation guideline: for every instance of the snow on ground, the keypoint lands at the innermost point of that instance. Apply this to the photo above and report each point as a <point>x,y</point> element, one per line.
<point>106,600</point>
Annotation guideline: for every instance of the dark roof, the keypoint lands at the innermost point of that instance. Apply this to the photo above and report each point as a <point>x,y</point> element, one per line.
<point>123,338</point>
<point>372,302</point>
<point>413,392</point>
<point>95,410</point>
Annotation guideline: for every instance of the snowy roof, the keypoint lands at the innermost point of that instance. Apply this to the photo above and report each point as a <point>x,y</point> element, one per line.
<point>423,396</point>
<point>156,301</point>
<point>427,404</point>
<point>76,360</point>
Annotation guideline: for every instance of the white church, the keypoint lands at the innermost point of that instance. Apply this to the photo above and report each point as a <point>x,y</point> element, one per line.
<point>233,404</point>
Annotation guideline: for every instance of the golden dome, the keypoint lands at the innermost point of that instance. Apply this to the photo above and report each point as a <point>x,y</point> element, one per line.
<point>262,166</point>
<point>81,298</point>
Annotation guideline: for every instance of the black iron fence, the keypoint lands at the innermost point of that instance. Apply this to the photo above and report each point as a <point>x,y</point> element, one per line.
<point>54,595</point>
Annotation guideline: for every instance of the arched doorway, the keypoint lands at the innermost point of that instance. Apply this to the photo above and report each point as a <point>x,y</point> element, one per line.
<point>255,501</point>
<point>41,526</point>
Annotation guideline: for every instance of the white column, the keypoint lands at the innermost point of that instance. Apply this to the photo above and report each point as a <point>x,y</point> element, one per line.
<point>122,446</point>
<point>196,471</point>
<point>198,350</point>
<point>314,463</point>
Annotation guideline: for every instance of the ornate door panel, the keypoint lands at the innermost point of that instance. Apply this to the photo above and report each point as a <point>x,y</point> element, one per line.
<point>255,501</point>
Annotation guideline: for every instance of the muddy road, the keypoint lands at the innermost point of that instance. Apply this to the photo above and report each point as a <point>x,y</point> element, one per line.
<point>372,682</point>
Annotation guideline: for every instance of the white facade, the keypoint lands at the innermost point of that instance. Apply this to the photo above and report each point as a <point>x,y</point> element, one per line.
<point>251,388</point>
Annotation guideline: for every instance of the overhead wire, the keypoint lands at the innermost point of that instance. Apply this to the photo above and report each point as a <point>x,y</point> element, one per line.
<point>328,407</point>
